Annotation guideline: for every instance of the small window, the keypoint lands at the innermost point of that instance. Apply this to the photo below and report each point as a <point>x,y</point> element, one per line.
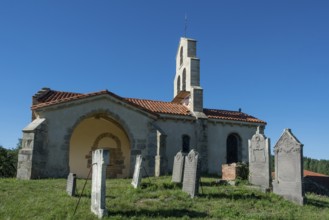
<point>186,143</point>
<point>184,80</point>
<point>181,55</point>
<point>178,84</point>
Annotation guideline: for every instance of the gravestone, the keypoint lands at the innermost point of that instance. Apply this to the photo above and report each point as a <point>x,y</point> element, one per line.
<point>137,177</point>
<point>161,162</point>
<point>178,168</point>
<point>288,180</point>
<point>100,160</point>
<point>192,169</point>
<point>259,161</point>
<point>71,184</point>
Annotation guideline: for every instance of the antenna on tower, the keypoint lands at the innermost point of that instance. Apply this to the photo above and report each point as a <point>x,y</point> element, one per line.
<point>185,28</point>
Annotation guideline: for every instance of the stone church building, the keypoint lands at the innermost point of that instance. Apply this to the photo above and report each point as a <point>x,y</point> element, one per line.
<point>67,126</point>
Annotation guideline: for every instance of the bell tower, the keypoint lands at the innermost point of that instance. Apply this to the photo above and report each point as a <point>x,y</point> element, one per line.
<point>187,89</point>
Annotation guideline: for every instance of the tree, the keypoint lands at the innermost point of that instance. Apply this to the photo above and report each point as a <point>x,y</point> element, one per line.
<point>8,160</point>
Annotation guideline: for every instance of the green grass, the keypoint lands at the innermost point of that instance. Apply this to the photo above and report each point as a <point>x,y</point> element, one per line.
<point>158,198</point>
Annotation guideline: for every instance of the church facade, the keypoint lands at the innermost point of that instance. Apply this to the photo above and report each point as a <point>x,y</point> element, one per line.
<point>66,127</point>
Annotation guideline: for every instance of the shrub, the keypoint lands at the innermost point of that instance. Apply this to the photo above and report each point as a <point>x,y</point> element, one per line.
<point>8,162</point>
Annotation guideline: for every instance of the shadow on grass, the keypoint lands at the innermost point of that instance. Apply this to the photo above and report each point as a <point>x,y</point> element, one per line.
<point>317,203</point>
<point>208,184</point>
<point>159,213</point>
<point>232,196</point>
<point>154,186</point>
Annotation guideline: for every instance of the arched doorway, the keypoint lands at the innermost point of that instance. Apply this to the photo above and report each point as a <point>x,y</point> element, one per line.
<point>233,142</point>
<point>99,131</point>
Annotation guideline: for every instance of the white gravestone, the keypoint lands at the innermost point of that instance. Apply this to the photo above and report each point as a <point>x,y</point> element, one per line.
<point>178,168</point>
<point>259,161</point>
<point>288,180</point>
<point>71,184</point>
<point>137,177</point>
<point>192,173</point>
<point>100,160</point>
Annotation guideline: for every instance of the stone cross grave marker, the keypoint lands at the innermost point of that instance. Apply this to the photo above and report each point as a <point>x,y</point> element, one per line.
<point>259,161</point>
<point>137,177</point>
<point>100,160</point>
<point>178,168</point>
<point>71,184</point>
<point>288,180</point>
<point>192,171</point>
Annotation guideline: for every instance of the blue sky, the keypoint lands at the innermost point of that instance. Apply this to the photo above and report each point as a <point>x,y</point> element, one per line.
<point>270,58</point>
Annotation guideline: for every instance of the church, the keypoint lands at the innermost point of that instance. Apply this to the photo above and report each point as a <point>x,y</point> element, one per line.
<point>67,126</point>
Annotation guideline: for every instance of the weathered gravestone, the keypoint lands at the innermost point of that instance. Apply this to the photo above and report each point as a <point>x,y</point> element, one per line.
<point>288,180</point>
<point>71,184</point>
<point>137,177</point>
<point>192,171</point>
<point>259,161</point>
<point>178,168</point>
<point>161,161</point>
<point>100,160</point>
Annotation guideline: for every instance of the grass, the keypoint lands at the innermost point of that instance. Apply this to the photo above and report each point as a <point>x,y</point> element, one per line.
<point>157,198</point>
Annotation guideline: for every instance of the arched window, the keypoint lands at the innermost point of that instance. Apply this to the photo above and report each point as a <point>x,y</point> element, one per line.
<point>181,56</point>
<point>233,142</point>
<point>186,143</point>
<point>184,80</point>
<point>178,84</point>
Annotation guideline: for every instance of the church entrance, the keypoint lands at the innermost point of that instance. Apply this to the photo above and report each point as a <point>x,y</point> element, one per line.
<point>232,148</point>
<point>99,132</point>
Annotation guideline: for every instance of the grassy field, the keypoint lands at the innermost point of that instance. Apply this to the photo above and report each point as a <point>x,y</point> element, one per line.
<point>158,198</point>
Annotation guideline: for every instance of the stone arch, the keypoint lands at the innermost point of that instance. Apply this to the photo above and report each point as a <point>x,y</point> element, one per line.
<point>114,119</point>
<point>104,135</point>
<point>233,148</point>
<point>116,165</point>
<point>98,113</point>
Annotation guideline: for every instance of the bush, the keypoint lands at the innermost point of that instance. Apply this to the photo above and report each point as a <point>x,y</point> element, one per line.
<point>8,162</point>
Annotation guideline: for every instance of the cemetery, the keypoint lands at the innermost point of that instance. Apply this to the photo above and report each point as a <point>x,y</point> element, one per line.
<point>187,193</point>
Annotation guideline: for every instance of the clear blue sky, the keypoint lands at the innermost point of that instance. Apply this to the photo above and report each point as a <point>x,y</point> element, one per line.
<point>270,58</point>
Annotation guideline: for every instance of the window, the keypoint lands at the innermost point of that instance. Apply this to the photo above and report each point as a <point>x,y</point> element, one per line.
<point>232,148</point>
<point>186,143</point>
<point>184,80</point>
<point>178,84</point>
<point>181,56</point>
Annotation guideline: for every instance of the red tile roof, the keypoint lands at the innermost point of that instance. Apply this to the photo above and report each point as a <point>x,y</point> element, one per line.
<point>160,107</point>
<point>310,173</point>
<point>52,97</point>
<point>56,95</point>
<point>231,115</point>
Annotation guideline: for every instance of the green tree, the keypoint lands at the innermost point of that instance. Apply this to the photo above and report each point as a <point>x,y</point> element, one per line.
<point>8,160</point>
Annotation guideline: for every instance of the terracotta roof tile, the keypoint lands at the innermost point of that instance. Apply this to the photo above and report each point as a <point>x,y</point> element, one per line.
<point>231,115</point>
<point>310,173</point>
<point>160,107</point>
<point>61,97</point>
<point>53,97</point>
<point>56,95</point>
